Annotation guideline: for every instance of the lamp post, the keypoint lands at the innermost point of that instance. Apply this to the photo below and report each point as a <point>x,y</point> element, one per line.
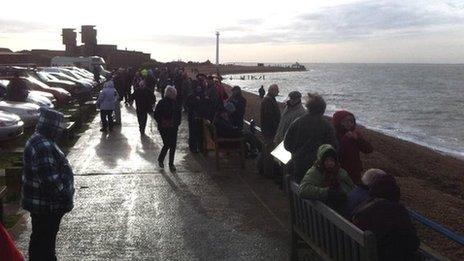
<point>217,48</point>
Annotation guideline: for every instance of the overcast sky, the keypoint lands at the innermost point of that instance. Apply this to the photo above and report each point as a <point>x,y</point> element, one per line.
<point>428,31</point>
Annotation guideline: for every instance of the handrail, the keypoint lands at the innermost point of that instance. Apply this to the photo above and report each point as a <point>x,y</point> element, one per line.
<point>437,227</point>
<point>452,235</point>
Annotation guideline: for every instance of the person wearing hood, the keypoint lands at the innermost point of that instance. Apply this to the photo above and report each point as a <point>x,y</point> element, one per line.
<point>47,184</point>
<point>168,116</point>
<point>351,142</point>
<point>325,180</point>
<point>144,101</point>
<point>239,102</point>
<point>389,221</point>
<point>292,111</point>
<point>306,134</point>
<point>106,101</point>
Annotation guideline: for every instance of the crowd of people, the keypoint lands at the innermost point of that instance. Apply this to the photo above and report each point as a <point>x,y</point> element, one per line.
<point>325,162</point>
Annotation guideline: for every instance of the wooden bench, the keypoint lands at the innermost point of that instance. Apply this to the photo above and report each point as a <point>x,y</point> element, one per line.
<point>327,233</point>
<point>212,142</point>
<point>2,196</point>
<point>329,236</point>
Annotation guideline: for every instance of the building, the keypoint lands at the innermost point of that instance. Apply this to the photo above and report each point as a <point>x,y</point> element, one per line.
<point>114,58</point>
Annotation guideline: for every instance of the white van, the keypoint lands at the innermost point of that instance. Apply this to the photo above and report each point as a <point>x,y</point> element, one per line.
<point>88,63</point>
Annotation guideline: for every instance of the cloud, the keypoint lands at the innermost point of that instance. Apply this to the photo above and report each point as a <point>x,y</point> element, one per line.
<point>17,26</point>
<point>379,19</point>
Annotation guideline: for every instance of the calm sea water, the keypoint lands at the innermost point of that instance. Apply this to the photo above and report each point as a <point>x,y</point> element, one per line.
<point>415,102</point>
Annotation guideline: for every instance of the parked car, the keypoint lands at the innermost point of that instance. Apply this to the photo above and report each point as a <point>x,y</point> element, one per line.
<point>62,96</point>
<point>28,112</point>
<point>11,126</point>
<point>33,96</point>
<point>77,89</point>
<point>65,74</point>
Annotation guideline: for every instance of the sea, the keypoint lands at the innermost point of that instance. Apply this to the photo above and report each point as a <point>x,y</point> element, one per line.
<point>421,103</point>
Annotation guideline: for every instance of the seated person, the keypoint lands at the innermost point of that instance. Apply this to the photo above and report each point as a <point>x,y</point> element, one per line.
<point>225,129</point>
<point>325,180</point>
<point>388,220</point>
<point>223,125</point>
<point>361,193</point>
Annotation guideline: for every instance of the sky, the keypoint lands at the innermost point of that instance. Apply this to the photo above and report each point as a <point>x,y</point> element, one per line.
<point>377,31</point>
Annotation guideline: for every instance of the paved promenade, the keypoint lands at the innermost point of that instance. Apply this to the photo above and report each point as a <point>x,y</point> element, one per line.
<point>126,208</point>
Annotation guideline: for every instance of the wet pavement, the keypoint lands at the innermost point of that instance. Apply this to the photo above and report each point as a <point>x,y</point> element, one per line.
<point>127,208</point>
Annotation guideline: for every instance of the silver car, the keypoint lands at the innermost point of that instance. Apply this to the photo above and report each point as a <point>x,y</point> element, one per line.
<point>36,97</point>
<point>11,126</point>
<point>28,112</point>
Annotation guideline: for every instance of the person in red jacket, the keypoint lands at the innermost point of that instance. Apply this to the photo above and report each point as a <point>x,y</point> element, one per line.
<point>351,142</point>
<point>8,250</point>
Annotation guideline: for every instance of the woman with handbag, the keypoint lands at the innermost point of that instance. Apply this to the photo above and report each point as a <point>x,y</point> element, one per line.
<point>167,115</point>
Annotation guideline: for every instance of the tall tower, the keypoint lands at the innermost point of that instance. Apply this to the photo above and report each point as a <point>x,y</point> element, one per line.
<point>217,48</point>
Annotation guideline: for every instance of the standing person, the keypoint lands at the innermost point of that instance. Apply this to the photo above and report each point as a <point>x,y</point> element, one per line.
<point>144,101</point>
<point>195,105</point>
<point>293,110</point>
<point>325,180</point>
<point>96,74</point>
<point>239,102</point>
<point>221,91</point>
<point>212,98</point>
<point>167,116</point>
<point>106,101</point>
<point>261,92</point>
<point>47,184</point>
<point>17,89</point>
<point>306,134</point>
<point>351,142</point>
<point>270,118</point>
<point>119,82</point>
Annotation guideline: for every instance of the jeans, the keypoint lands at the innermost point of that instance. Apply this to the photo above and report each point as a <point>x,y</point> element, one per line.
<point>43,237</point>
<point>169,137</point>
<point>106,118</point>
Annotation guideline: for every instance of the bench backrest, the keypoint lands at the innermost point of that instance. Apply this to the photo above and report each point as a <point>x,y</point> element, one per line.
<point>328,234</point>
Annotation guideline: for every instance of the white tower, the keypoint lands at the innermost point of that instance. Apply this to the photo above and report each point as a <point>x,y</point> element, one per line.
<point>217,48</point>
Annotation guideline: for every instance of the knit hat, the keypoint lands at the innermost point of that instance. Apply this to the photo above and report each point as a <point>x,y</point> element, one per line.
<point>295,95</point>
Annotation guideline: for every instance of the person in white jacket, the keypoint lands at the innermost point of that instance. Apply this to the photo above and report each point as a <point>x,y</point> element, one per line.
<point>106,102</point>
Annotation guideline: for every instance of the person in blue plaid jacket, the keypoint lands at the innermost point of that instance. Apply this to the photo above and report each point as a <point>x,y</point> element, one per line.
<point>47,184</point>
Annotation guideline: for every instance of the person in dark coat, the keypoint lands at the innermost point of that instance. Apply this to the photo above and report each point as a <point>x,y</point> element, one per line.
<point>261,92</point>
<point>239,103</point>
<point>17,89</point>
<point>388,220</point>
<point>351,142</point>
<point>144,101</point>
<point>167,116</point>
<point>195,105</point>
<point>47,189</point>
<point>306,135</point>
<point>360,194</point>
<point>270,118</point>
<point>212,98</point>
